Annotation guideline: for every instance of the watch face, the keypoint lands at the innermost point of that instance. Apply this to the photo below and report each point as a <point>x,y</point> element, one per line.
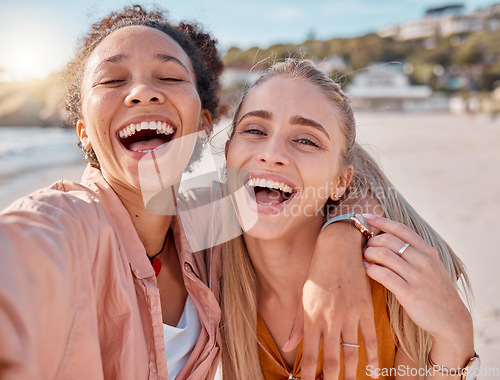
<point>472,369</point>
<point>362,225</point>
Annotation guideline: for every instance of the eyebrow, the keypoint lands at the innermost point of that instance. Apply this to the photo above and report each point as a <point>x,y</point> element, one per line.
<point>161,57</point>
<point>113,59</point>
<point>296,120</point>
<point>258,113</point>
<point>169,58</point>
<point>299,120</point>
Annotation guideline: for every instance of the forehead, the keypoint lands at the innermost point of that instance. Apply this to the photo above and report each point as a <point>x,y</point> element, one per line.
<point>297,96</point>
<point>137,41</point>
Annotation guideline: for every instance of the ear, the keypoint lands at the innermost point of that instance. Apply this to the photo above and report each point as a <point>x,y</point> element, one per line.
<point>82,134</point>
<point>342,183</point>
<point>205,123</point>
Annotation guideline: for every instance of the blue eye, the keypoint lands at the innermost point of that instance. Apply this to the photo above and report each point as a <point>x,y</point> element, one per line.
<point>306,142</point>
<point>254,132</point>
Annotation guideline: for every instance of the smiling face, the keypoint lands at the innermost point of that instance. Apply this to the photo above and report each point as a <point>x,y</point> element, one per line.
<point>138,94</point>
<point>287,138</point>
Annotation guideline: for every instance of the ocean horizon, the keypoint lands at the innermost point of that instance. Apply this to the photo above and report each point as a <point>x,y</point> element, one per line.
<point>34,156</point>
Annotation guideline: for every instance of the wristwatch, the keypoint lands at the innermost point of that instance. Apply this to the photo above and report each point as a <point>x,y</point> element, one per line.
<point>469,372</point>
<point>471,369</point>
<point>359,222</point>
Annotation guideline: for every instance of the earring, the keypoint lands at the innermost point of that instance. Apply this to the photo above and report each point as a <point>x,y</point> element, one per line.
<point>87,153</point>
<point>204,141</point>
<point>203,136</point>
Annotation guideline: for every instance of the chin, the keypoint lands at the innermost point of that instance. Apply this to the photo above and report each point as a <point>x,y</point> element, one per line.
<point>268,230</point>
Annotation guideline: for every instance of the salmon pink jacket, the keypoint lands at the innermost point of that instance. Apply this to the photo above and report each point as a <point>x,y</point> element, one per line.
<point>78,296</point>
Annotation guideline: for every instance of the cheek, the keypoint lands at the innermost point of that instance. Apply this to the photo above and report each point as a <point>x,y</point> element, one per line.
<point>189,105</point>
<point>321,177</point>
<point>239,151</point>
<point>231,157</point>
<point>95,107</point>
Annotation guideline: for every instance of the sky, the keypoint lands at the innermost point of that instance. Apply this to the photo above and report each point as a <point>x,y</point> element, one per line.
<point>38,37</point>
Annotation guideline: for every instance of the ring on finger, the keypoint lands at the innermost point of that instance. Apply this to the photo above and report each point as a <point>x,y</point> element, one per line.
<point>350,345</point>
<point>403,249</point>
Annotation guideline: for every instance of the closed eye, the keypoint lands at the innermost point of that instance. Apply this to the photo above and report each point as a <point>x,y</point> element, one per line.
<point>112,81</point>
<point>171,80</point>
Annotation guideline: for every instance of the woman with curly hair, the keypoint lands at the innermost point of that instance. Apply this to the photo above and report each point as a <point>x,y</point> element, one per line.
<point>78,293</point>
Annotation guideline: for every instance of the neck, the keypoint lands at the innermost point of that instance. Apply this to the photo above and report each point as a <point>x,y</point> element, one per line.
<point>151,228</point>
<point>281,264</point>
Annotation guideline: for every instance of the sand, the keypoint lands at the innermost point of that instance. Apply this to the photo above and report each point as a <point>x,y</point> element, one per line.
<point>448,168</point>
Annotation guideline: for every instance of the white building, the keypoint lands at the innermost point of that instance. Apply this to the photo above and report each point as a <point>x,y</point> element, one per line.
<point>451,25</point>
<point>387,87</point>
<point>446,21</point>
<point>419,29</point>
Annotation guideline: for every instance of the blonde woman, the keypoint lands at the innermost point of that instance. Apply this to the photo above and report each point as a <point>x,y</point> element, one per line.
<point>293,145</point>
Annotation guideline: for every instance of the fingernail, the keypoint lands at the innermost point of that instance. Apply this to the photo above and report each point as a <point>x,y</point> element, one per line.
<point>366,264</point>
<point>369,216</point>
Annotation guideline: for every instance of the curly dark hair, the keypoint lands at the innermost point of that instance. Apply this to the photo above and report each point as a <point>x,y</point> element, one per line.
<point>200,47</point>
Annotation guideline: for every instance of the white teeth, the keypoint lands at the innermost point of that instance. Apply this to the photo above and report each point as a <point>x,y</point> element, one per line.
<point>158,126</point>
<point>260,182</point>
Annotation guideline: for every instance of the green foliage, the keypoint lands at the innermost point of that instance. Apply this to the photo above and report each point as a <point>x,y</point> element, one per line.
<point>462,52</point>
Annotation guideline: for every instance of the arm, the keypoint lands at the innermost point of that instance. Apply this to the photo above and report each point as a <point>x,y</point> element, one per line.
<point>332,310</point>
<point>421,284</point>
<point>38,302</point>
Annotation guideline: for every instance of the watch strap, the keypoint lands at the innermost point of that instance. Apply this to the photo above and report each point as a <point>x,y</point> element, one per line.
<point>359,222</point>
<point>337,219</point>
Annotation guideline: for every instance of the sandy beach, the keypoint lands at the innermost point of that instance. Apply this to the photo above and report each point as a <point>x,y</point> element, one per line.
<point>448,168</point>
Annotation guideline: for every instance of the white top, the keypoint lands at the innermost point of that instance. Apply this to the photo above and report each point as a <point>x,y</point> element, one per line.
<point>180,340</point>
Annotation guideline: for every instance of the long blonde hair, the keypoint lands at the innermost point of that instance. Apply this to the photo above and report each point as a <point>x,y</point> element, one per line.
<point>240,356</point>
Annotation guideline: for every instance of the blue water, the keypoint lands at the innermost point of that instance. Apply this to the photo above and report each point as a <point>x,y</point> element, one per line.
<point>33,157</point>
<point>24,150</point>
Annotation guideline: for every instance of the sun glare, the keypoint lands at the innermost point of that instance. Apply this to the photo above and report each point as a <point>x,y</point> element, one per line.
<point>31,48</point>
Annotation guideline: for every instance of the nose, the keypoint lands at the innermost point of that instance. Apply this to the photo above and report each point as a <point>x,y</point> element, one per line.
<point>144,93</point>
<point>274,152</point>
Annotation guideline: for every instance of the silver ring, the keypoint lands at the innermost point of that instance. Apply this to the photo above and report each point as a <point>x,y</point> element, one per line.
<point>403,249</point>
<point>350,345</point>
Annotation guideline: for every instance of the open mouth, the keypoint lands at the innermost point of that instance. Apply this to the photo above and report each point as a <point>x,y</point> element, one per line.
<point>146,136</point>
<point>269,192</point>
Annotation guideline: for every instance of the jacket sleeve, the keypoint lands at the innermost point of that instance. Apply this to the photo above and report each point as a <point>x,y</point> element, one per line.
<point>45,240</point>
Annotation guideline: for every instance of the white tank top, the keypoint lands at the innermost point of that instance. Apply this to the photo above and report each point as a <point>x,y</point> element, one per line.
<point>180,340</point>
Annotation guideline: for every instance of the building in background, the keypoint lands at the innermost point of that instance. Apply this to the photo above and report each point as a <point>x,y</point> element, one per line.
<point>386,87</point>
<point>450,20</point>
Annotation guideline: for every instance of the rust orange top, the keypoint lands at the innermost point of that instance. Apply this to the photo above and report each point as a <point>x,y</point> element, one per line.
<point>275,368</point>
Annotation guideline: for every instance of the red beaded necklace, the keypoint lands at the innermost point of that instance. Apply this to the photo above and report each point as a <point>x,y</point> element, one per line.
<point>155,261</point>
